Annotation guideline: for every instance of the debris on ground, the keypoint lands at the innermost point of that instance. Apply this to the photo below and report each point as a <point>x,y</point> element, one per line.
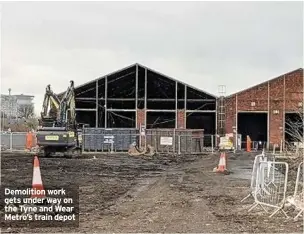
<point>163,193</point>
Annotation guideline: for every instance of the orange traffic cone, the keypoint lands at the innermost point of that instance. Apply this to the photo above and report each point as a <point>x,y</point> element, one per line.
<point>248,144</point>
<point>38,189</point>
<point>222,167</point>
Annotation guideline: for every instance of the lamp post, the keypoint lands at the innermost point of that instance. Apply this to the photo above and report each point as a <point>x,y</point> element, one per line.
<point>9,105</point>
<point>235,138</point>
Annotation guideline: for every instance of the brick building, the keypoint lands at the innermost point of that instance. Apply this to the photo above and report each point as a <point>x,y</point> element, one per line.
<point>261,111</point>
<point>137,96</point>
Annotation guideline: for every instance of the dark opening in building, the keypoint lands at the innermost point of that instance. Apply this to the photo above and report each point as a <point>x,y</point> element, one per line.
<point>161,105</point>
<point>101,114</point>
<point>180,96</point>
<point>86,117</point>
<point>122,119</point>
<point>121,104</point>
<point>160,119</point>
<point>122,84</point>
<point>254,125</point>
<point>293,127</point>
<point>159,86</point>
<point>87,91</point>
<point>204,121</point>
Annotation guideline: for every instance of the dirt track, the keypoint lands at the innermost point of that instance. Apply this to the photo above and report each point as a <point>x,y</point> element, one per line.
<point>119,193</point>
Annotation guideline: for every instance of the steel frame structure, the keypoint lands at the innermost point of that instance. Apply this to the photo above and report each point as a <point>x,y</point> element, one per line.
<point>102,94</point>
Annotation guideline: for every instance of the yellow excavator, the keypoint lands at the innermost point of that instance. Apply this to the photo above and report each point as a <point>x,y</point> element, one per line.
<point>58,133</point>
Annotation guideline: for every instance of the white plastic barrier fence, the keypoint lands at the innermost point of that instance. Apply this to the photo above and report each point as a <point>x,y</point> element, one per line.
<point>259,158</point>
<point>271,186</point>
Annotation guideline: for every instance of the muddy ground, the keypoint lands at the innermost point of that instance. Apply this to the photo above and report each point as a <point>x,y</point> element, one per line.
<point>119,193</point>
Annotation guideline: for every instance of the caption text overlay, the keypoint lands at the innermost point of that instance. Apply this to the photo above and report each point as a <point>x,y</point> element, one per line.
<point>51,207</point>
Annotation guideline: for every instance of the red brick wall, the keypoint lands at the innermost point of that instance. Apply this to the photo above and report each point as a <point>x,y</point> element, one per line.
<point>141,116</point>
<point>181,118</point>
<point>230,114</point>
<point>293,91</point>
<point>281,95</point>
<point>259,95</point>
<point>276,121</point>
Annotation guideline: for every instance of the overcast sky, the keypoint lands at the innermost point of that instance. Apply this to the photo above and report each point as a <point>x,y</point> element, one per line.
<point>205,44</point>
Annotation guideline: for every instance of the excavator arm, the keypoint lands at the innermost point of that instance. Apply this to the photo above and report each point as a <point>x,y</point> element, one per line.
<point>51,103</point>
<point>67,107</point>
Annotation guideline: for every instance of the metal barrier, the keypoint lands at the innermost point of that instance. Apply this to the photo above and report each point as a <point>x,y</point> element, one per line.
<point>179,141</point>
<point>163,140</point>
<point>271,186</point>
<point>14,141</point>
<point>169,141</point>
<point>210,143</point>
<point>257,160</point>
<point>297,200</point>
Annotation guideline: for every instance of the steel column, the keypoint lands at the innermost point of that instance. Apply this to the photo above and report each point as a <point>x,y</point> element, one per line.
<point>268,116</point>
<point>236,116</point>
<point>176,112</point>
<point>96,122</point>
<point>146,90</point>
<point>136,95</point>
<point>185,107</point>
<point>185,98</point>
<point>284,107</point>
<point>216,119</point>
<point>106,102</point>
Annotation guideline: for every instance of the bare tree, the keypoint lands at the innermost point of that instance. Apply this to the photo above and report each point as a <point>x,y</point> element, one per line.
<point>26,111</point>
<point>295,131</point>
<point>3,115</point>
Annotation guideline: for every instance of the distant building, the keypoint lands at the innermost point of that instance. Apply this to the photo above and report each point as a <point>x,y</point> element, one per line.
<point>10,104</point>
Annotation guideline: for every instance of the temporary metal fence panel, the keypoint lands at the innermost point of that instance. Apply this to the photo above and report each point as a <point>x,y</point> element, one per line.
<point>258,158</point>
<point>107,140</point>
<point>176,141</point>
<point>169,141</point>
<point>209,143</point>
<point>6,140</point>
<point>271,186</point>
<point>163,140</point>
<point>297,200</point>
<point>13,140</point>
<point>190,141</point>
